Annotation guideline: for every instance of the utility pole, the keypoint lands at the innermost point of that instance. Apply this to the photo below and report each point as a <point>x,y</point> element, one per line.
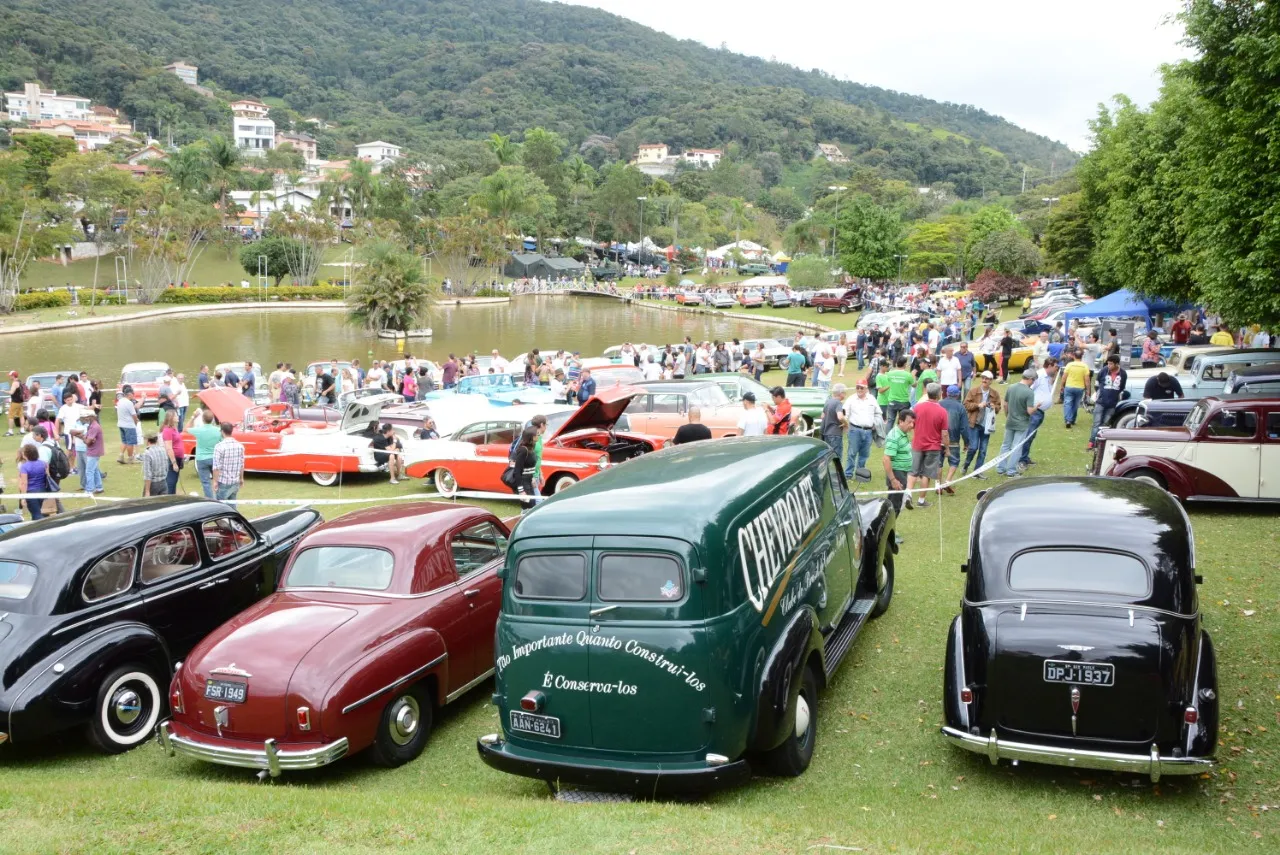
<point>900,260</point>
<point>640,246</point>
<point>837,188</point>
<point>1024,179</point>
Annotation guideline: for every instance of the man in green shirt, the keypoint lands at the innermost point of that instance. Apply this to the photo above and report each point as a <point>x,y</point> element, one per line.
<point>1019,404</point>
<point>882,384</point>
<point>540,422</point>
<point>795,366</point>
<point>207,434</point>
<point>897,457</point>
<point>927,376</point>
<point>899,380</point>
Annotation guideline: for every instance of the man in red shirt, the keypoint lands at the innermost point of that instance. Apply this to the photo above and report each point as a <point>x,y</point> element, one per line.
<point>1181,330</point>
<point>926,442</point>
<point>779,412</point>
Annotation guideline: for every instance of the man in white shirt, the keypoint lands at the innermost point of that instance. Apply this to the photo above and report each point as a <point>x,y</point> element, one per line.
<point>67,418</point>
<point>375,375</point>
<point>753,421</point>
<point>1042,389</point>
<point>500,365</point>
<point>650,368</point>
<point>182,397</point>
<point>860,412</point>
<point>949,368</point>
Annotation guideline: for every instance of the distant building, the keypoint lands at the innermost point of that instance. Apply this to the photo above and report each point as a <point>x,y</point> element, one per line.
<point>188,74</point>
<point>831,152</point>
<point>34,103</point>
<point>88,135</point>
<point>377,151</point>
<point>151,152</point>
<point>304,144</point>
<point>254,133</point>
<point>703,157</point>
<point>651,153</point>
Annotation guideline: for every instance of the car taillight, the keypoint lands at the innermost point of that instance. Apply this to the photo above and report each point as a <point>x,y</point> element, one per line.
<point>532,702</point>
<point>966,696</point>
<point>175,697</point>
<point>1119,454</point>
<point>1190,715</point>
<point>304,718</point>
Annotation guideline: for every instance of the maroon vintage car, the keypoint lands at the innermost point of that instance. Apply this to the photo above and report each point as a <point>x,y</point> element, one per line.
<point>382,616</point>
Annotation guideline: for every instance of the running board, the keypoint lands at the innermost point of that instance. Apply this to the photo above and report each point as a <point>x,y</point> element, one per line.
<point>839,642</point>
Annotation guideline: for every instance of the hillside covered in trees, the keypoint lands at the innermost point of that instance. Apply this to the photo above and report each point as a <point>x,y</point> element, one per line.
<point>425,72</point>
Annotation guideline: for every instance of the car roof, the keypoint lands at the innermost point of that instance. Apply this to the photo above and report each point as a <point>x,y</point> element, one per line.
<point>1262,369</point>
<point>1230,354</point>
<point>142,366</point>
<point>649,495</point>
<point>385,526</point>
<point>1111,514</point>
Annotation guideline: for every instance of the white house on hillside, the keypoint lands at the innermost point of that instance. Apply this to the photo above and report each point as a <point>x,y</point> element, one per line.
<point>187,73</point>
<point>377,151</point>
<point>34,103</point>
<point>703,157</point>
<point>253,132</point>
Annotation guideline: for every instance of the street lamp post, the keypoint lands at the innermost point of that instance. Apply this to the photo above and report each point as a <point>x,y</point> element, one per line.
<point>640,246</point>
<point>900,259</point>
<point>837,188</point>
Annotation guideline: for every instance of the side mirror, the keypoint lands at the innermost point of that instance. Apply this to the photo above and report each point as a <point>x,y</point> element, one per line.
<point>863,475</point>
<point>964,568</point>
<point>1199,579</point>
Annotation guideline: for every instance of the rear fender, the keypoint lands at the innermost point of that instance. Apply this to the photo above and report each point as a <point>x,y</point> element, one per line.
<point>357,696</point>
<point>780,678</point>
<point>59,691</point>
<point>957,713</point>
<point>1176,480</point>
<point>1201,738</point>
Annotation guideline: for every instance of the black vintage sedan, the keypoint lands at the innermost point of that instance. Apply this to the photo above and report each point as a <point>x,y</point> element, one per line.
<point>96,605</point>
<point>1079,640</point>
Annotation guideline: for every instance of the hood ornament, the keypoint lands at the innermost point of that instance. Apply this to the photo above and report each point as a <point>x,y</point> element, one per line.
<point>1075,707</point>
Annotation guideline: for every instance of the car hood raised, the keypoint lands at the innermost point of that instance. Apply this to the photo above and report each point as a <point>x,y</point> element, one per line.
<point>601,411</point>
<point>228,405</point>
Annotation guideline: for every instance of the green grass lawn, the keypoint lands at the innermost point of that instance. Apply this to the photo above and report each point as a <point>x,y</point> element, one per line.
<point>881,780</point>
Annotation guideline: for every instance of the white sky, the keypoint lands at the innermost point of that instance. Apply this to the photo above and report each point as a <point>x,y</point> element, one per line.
<point>1043,66</point>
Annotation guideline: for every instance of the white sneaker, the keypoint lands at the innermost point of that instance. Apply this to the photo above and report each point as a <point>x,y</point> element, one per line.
<point>394,481</point>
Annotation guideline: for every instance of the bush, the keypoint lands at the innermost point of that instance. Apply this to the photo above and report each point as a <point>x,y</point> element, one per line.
<point>42,300</point>
<point>990,287</point>
<point>194,296</point>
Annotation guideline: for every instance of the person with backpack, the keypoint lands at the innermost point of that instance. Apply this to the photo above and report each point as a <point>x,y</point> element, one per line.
<point>32,478</point>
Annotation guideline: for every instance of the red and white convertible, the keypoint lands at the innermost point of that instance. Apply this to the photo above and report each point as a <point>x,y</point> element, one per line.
<point>277,442</point>
<point>585,444</point>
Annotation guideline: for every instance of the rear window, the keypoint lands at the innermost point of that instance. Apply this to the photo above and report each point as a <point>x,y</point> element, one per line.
<point>1079,571</point>
<point>16,580</point>
<point>361,567</point>
<point>640,579</point>
<point>552,577</point>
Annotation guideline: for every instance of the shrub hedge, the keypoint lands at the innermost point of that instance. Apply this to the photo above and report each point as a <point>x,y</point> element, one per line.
<point>193,296</point>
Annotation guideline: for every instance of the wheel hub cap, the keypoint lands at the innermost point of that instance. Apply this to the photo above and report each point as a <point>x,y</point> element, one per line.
<point>802,718</point>
<point>127,706</point>
<point>404,720</point>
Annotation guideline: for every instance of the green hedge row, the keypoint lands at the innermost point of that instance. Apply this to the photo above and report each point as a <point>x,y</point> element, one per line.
<point>193,296</point>
<point>42,300</point>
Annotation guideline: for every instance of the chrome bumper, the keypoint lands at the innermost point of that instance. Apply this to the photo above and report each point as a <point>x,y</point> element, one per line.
<point>270,759</point>
<point>1141,764</point>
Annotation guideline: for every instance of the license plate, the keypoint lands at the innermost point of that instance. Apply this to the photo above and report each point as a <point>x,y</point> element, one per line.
<point>230,691</point>
<point>543,725</point>
<point>1083,673</point>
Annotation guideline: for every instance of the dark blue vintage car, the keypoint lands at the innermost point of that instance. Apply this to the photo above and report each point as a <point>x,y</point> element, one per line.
<point>1079,640</point>
<point>96,605</point>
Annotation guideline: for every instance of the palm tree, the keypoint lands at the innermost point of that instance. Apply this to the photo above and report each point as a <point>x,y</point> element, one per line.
<point>190,168</point>
<point>224,164</point>
<point>263,186</point>
<point>735,217</point>
<point>361,186</point>
<point>391,291</point>
<point>504,149</point>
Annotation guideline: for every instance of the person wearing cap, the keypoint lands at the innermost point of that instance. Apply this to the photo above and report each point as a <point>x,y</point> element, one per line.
<point>127,422</point>
<point>861,412</point>
<point>753,421</point>
<point>982,403</point>
<point>779,412</point>
<point>957,427</point>
<point>387,452</point>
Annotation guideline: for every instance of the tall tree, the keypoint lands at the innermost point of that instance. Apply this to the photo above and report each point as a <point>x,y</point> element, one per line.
<point>869,238</point>
<point>390,290</point>
<point>507,152</point>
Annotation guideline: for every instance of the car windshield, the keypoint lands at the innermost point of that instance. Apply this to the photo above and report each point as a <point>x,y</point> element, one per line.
<point>708,396</point>
<point>363,568</point>
<point>16,580</point>
<point>1072,571</point>
<point>1197,416</point>
<point>142,375</point>
<point>45,380</point>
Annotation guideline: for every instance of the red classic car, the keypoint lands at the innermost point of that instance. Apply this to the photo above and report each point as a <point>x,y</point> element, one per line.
<point>144,379</point>
<point>837,300</point>
<point>382,617</point>
<point>1227,450</point>
<point>275,440</point>
<point>586,443</point>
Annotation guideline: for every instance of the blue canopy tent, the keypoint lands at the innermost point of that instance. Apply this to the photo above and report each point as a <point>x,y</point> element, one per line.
<point>1126,304</point>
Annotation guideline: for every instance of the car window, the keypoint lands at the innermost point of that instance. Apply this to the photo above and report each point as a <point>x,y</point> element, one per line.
<point>476,546</point>
<point>225,536</point>
<point>639,404</point>
<point>551,577</point>
<point>365,568</point>
<point>1259,387</point>
<point>668,402</point>
<point>17,578</point>
<point>110,576</point>
<point>472,433</point>
<point>640,579</point>
<point>1079,571</point>
<point>839,486</point>
<point>501,433</point>
<point>1235,424</point>
<point>1273,426</point>
<point>709,396</point>
<point>169,553</point>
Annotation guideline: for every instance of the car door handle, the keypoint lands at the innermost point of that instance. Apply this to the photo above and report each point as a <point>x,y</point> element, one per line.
<point>601,610</point>
<point>471,592</point>
<point>214,582</point>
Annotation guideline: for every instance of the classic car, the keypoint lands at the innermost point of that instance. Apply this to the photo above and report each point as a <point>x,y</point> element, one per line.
<point>779,298</point>
<point>613,353</point>
<point>775,353</point>
<point>144,377</point>
<point>750,299</point>
<point>277,443</point>
<point>1227,450</point>
<point>312,374</point>
<point>721,300</point>
<point>500,389</point>
<point>46,380</point>
<point>578,447</point>
<point>1079,643</point>
<point>837,300</point>
<point>261,382</point>
<point>382,617</point>
<point>755,269</point>
<point>689,298</point>
<point>665,407</point>
<point>653,644</point>
<point>615,375</point>
<point>96,605</point>
<point>1261,379</point>
<point>333,414</point>
<point>806,401</point>
<point>8,522</point>
<point>1209,374</point>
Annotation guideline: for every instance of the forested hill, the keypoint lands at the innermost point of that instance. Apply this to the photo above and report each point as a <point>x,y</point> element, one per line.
<point>422,69</point>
